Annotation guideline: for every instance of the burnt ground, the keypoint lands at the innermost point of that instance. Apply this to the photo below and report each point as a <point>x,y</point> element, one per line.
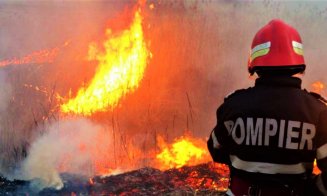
<point>203,179</point>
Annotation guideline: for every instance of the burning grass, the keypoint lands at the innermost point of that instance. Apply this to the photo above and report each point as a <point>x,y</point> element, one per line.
<point>203,179</point>
<point>185,150</point>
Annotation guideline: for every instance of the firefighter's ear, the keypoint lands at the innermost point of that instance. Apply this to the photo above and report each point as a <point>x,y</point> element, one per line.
<point>299,75</point>
<point>253,76</point>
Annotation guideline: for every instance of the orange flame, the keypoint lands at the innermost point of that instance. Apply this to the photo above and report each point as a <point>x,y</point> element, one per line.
<point>120,70</point>
<point>42,56</point>
<point>316,170</point>
<point>318,87</point>
<point>37,57</point>
<point>184,151</point>
<point>151,6</point>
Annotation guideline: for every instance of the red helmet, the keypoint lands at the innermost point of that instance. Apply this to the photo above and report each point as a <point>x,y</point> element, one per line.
<point>276,46</point>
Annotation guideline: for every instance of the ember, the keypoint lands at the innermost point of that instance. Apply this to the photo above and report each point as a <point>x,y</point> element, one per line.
<point>37,57</point>
<point>208,178</point>
<point>316,170</point>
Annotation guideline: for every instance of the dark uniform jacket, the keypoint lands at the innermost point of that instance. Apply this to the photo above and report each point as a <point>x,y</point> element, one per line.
<point>273,130</point>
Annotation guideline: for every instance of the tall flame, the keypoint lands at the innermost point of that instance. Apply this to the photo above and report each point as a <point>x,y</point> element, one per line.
<point>120,70</point>
<point>184,151</point>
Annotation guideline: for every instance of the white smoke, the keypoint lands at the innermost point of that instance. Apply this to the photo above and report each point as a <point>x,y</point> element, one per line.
<point>65,147</point>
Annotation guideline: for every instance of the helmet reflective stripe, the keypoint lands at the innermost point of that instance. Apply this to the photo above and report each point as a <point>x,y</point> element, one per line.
<point>260,47</point>
<point>297,47</point>
<point>260,50</point>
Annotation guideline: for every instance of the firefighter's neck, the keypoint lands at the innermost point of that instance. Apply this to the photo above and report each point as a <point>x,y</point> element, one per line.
<point>267,75</point>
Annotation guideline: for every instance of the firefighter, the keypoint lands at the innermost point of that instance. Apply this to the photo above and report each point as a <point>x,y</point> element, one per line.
<point>270,134</point>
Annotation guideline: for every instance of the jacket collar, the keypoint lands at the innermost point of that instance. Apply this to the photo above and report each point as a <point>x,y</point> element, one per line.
<point>282,81</point>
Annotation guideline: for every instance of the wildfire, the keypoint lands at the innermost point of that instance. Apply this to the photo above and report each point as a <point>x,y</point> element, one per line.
<point>42,56</point>
<point>318,87</point>
<point>120,70</point>
<point>151,6</point>
<point>184,151</point>
<point>37,57</point>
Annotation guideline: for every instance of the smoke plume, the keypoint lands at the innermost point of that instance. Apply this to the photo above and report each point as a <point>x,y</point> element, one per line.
<point>67,146</point>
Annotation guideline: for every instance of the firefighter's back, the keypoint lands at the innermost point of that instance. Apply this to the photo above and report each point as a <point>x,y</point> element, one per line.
<point>272,129</point>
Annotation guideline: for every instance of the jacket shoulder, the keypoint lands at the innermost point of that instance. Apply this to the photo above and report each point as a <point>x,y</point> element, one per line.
<point>317,96</point>
<point>235,93</point>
